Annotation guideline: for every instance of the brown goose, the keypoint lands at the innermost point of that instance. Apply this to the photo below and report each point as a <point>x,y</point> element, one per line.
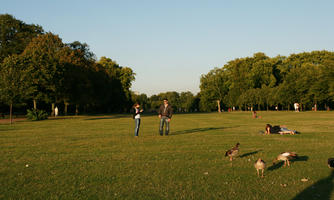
<point>233,152</point>
<point>286,157</point>
<point>259,165</point>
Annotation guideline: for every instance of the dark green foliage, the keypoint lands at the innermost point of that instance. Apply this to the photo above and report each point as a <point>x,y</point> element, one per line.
<point>39,67</point>
<point>262,82</point>
<point>36,115</point>
<point>181,102</point>
<point>13,82</point>
<point>47,71</point>
<point>15,35</point>
<point>45,67</point>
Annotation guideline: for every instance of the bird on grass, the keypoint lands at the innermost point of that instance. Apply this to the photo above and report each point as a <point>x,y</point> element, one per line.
<point>233,152</point>
<point>331,162</point>
<point>286,157</point>
<point>259,165</point>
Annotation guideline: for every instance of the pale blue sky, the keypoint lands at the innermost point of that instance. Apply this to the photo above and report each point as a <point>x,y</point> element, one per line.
<point>169,44</point>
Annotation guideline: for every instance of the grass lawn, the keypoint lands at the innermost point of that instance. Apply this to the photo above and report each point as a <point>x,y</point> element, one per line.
<point>98,157</point>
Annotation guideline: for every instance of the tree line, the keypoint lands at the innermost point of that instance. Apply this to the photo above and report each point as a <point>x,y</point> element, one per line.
<point>39,70</point>
<point>180,102</point>
<point>264,83</point>
<point>258,83</point>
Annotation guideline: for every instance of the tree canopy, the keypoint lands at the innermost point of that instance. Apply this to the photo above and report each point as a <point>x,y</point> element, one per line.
<point>58,74</point>
<point>263,82</point>
<point>38,69</point>
<point>15,35</point>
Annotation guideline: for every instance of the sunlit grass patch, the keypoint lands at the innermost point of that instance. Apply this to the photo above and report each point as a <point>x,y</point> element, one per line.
<point>92,157</point>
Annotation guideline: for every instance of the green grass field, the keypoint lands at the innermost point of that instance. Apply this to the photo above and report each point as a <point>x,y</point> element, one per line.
<point>97,157</point>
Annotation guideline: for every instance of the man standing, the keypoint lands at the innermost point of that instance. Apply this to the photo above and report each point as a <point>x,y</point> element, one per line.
<point>165,115</point>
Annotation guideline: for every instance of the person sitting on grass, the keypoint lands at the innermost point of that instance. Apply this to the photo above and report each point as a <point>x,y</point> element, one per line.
<point>278,130</point>
<point>254,114</point>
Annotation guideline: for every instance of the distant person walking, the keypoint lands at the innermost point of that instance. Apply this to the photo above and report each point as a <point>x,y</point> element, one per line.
<point>296,105</point>
<point>56,111</point>
<point>136,117</point>
<point>165,115</point>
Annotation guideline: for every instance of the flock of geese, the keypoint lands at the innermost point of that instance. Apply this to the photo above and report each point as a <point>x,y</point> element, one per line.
<point>261,165</point>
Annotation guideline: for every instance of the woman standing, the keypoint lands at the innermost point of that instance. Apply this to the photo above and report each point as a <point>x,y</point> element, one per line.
<point>136,117</point>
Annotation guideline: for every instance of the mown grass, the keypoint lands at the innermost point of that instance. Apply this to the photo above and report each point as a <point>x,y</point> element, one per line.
<point>98,157</point>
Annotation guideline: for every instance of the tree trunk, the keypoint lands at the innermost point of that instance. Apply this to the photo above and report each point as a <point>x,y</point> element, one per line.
<point>53,109</point>
<point>65,109</point>
<point>35,104</point>
<point>218,104</point>
<point>288,107</point>
<point>76,109</point>
<point>11,114</point>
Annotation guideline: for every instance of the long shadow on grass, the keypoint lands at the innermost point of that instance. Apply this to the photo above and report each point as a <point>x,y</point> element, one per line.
<point>250,153</point>
<point>195,130</point>
<point>275,166</point>
<point>322,189</point>
<point>300,158</point>
<point>59,118</point>
<point>280,164</point>
<point>109,117</point>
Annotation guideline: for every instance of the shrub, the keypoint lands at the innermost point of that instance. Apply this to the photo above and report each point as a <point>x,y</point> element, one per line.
<point>36,115</point>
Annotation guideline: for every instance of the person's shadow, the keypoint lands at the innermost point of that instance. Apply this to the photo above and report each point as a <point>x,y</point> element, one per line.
<point>109,117</point>
<point>195,130</point>
<point>322,189</point>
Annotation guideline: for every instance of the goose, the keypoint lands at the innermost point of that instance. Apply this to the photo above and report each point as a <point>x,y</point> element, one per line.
<point>286,157</point>
<point>259,165</point>
<point>233,152</point>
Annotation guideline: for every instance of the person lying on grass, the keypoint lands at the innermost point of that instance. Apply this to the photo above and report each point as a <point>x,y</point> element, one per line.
<point>278,130</point>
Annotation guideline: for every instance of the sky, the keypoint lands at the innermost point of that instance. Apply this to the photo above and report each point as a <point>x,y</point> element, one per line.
<point>170,44</point>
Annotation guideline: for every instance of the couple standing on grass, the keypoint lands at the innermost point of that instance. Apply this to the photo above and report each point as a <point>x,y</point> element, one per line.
<point>165,115</point>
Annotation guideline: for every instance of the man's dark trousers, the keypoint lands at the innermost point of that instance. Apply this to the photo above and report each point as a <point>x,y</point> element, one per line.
<point>164,120</point>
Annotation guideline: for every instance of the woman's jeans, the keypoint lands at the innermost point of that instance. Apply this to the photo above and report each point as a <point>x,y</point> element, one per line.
<point>137,125</point>
<point>164,120</point>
